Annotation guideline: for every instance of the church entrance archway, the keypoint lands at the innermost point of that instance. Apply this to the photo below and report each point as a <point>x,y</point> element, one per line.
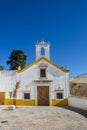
<point>43,95</point>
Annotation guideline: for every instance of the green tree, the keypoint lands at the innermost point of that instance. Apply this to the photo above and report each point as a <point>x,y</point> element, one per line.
<point>16,59</point>
<point>1,67</point>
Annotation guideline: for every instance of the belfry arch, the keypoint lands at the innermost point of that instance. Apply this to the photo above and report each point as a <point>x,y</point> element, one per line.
<point>42,51</point>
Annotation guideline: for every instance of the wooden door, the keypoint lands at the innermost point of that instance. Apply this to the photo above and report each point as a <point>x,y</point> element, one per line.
<point>43,95</point>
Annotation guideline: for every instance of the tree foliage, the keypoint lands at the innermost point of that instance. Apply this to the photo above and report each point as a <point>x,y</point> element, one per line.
<point>1,67</point>
<point>16,59</point>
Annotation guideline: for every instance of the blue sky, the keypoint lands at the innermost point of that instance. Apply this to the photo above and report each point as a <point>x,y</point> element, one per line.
<point>61,22</point>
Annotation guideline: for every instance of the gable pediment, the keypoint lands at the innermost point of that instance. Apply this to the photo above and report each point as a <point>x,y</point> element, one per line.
<point>43,64</point>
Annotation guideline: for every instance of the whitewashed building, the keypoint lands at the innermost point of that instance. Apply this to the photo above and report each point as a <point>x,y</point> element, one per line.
<point>41,83</point>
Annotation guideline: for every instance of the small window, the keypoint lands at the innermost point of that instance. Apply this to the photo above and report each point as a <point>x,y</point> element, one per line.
<point>59,95</point>
<point>42,73</point>
<point>26,95</point>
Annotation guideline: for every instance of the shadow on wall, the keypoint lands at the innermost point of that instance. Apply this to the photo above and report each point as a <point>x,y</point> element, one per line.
<point>60,102</point>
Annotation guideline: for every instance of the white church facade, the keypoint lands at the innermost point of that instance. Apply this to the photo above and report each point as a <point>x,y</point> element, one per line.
<point>41,83</point>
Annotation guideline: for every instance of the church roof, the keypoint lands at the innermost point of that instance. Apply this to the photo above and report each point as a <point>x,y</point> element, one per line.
<point>38,60</point>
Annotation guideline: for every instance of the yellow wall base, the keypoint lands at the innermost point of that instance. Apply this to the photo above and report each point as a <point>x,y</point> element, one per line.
<point>19,102</point>
<point>56,102</point>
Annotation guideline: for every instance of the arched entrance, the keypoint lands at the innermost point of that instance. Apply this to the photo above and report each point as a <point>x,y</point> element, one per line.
<point>43,95</point>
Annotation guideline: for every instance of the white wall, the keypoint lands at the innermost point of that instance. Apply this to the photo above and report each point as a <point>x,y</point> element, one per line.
<point>58,78</point>
<point>7,81</point>
<point>78,102</point>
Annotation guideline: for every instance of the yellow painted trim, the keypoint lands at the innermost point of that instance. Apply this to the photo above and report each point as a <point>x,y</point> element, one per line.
<point>8,102</point>
<point>62,102</point>
<point>42,58</point>
<point>2,97</point>
<point>19,102</point>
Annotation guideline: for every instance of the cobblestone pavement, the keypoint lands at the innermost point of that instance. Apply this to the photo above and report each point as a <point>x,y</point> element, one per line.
<point>41,118</point>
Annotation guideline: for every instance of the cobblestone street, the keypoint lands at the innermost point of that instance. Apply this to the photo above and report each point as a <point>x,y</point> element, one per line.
<point>41,118</point>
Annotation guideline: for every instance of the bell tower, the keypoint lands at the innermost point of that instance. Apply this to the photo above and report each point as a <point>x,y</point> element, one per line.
<point>42,49</point>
